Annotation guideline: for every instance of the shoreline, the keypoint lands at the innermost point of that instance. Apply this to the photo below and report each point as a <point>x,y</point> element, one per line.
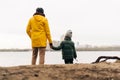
<point>99,71</point>
<point>27,50</point>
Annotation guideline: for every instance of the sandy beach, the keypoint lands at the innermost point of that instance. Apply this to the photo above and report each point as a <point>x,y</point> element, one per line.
<point>99,71</point>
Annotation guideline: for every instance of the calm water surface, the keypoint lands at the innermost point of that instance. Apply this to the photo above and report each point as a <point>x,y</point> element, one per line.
<point>52,57</point>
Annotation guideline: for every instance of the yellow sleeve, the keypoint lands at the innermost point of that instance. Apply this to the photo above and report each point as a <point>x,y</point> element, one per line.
<point>47,29</point>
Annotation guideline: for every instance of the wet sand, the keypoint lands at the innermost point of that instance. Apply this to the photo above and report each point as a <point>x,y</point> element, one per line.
<point>99,71</point>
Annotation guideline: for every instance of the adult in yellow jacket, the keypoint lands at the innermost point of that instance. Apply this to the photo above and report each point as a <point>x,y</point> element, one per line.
<point>39,32</point>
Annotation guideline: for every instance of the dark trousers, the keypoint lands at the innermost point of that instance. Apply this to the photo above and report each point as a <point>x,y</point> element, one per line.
<point>68,61</point>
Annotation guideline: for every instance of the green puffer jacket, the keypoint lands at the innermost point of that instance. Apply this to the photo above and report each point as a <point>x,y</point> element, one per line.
<point>68,49</point>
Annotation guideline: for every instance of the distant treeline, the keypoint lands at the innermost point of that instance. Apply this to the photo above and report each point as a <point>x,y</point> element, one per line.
<point>14,50</point>
<point>99,49</point>
<point>116,48</point>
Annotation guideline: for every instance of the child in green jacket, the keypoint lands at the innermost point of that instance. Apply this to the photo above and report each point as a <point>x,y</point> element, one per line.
<point>68,48</point>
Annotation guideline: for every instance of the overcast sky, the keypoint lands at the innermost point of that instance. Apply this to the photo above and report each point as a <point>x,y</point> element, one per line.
<point>94,22</point>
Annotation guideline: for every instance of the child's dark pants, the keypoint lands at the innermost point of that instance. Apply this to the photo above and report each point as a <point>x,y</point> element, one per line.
<point>68,61</point>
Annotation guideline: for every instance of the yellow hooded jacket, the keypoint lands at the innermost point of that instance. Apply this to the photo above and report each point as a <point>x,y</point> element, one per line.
<point>38,30</point>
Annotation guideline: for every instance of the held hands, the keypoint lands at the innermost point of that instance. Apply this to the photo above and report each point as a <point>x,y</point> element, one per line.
<point>50,45</point>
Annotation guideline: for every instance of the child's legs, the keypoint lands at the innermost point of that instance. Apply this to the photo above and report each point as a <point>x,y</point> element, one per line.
<point>68,61</point>
<point>71,61</point>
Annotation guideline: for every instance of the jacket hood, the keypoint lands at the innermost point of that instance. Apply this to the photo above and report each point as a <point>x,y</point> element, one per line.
<point>37,18</point>
<point>42,14</point>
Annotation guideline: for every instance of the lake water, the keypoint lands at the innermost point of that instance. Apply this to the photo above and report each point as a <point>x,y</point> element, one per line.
<point>52,57</point>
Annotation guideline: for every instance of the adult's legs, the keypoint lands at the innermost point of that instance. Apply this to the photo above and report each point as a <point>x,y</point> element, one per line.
<point>34,55</point>
<point>42,55</point>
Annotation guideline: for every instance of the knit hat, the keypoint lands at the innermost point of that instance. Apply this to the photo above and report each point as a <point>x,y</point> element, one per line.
<point>69,33</point>
<point>40,10</point>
